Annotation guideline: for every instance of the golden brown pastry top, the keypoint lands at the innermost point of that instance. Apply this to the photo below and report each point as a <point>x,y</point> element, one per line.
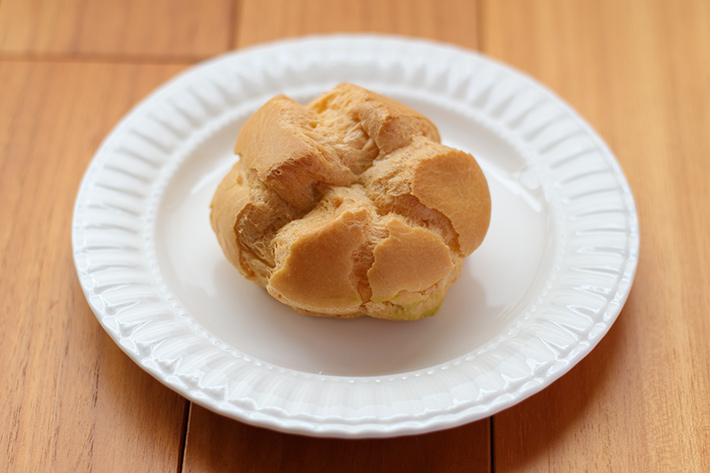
<point>350,206</point>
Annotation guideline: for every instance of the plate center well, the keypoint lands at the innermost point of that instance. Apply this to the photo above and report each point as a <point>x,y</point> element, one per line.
<point>500,280</point>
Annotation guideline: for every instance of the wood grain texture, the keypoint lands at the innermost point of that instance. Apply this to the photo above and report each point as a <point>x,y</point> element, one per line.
<point>216,444</point>
<point>448,20</point>
<point>72,401</point>
<point>156,29</point>
<point>639,71</point>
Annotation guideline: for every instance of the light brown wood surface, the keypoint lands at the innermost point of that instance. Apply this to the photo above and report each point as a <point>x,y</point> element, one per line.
<point>156,30</point>
<point>72,401</point>
<point>453,21</point>
<point>638,71</point>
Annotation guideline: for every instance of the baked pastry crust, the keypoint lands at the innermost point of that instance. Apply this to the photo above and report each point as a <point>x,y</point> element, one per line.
<point>350,206</point>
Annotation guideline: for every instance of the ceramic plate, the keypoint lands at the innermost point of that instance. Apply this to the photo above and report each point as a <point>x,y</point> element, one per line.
<point>535,298</point>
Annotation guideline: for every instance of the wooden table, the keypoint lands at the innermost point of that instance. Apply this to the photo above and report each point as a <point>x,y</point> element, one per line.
<point>638,70</point>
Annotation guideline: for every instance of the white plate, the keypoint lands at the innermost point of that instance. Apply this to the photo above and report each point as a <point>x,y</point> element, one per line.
<point>535,298</point>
